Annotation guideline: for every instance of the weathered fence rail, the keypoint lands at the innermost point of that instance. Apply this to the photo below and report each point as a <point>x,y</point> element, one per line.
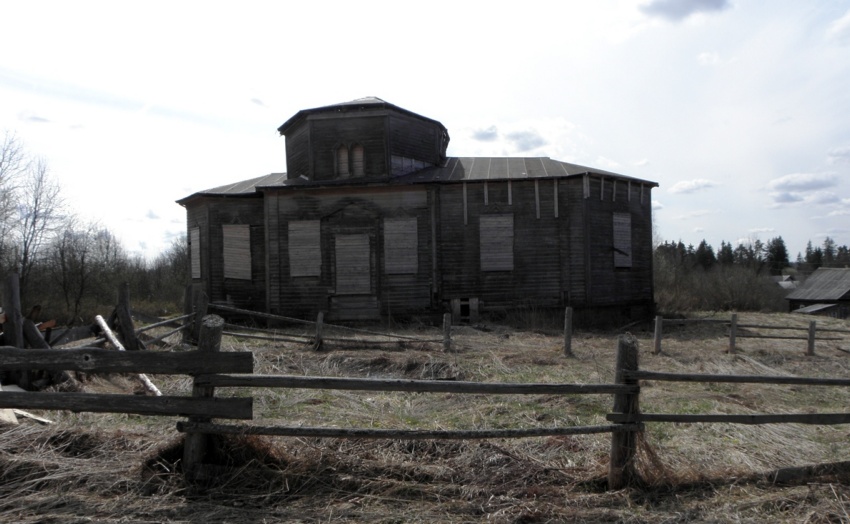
<point>811,331</point>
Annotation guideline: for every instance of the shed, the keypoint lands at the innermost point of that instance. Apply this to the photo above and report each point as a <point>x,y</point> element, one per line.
<point>372,220</point>
<point>826,286</point>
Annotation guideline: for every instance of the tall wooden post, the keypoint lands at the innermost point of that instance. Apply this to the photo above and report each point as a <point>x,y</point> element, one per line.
<point>320,320</point>
<point>811,348</point>
<point>733,332</point>
<point>447,332</point>
<point>195,445</point>
<point>200,301</point>
<point>568,332</point>
<point>659,323</point>
<point>621,470</point>
<point>125,320</point>
<point>188,309</point>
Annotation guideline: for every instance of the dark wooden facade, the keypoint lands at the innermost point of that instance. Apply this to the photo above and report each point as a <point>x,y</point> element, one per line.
<point>372,220</point>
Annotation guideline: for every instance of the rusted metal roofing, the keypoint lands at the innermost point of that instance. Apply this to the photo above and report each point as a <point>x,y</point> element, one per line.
<point>824,284</point>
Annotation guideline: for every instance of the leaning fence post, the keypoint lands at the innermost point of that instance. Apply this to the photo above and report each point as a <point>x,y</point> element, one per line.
<point>621,469</point>
<point>659,323</point>
<point>320,319</point>
<point>447,332</point>
<point>811,349</point>
<point>195,445</point>
<point>568,332</point>
<point>733,332</point>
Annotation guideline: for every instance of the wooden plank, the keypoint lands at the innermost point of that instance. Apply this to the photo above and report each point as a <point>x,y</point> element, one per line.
<point>422,386</point>
<point>96,360</point>
<point>738,379</point>
<point>622,240</point>
<point>288,431</point>
<point>401,244</point>
<point>195,251</point>
<point>793,418</point>
<point>497,242</point>
<point>236,251</point>
<point>353,265</point>
<point>305,252</point>
<point>234,408</point>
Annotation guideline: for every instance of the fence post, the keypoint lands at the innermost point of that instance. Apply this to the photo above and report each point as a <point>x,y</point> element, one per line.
<point>195,445</point>
<point>733,332</point>
<point>447,332</point>
<point>621,469</point>
<point>568,332</point>
<point>188,309</point>
<point>811,349</point>
<point>13,328</point>
<point>200,301</point>
<point>125,320</point>
<point>320,319</point>
<point>659,323</point>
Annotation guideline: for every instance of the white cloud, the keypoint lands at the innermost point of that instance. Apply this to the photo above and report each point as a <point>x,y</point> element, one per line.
<point>839,154</point>
<point>657,206</point>
<point>803,182</point>
<point>708,59</point>
<point>757,230</point>
<point>692,186</point>
<point>696,214</point>
<point>839,30</point>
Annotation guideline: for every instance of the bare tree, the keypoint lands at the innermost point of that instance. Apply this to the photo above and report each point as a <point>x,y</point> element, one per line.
<point>14,162</point>
<point>40,209</point>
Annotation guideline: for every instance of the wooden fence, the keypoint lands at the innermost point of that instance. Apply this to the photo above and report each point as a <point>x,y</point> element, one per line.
<point>811,332</point>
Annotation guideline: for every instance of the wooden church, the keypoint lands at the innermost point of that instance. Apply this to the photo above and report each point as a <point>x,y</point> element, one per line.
<point>372,220</point>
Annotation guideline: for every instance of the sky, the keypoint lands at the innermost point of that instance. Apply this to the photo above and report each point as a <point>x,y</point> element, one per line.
<point>738,109</point>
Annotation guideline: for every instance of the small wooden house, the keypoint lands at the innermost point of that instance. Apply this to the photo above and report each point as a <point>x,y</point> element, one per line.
<point>825,292</point>
<point>372,219</point>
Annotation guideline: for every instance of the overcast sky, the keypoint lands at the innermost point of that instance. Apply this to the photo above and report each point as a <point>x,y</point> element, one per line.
<point>739,109</point>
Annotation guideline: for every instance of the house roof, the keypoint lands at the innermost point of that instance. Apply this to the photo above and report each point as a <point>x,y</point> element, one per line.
<point>456,169</point>
<point>823,285</point>
<point>369,103</point>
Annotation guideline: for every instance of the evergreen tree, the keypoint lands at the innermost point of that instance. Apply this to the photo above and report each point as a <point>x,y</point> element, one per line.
<point>776,255</point>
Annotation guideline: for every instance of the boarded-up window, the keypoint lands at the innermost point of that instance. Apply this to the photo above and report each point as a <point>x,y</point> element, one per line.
<point>342,161</point>
<point>497,242</point>
<point>353,266</point>
<point>357,160</point>
<point>236,241</point>
<point>195,251</point>
<point>400,246</point>
<point>622,240</point>
<point>305,252</point>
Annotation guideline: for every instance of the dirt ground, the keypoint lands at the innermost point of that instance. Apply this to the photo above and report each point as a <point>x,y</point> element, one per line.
<point>125,468</point>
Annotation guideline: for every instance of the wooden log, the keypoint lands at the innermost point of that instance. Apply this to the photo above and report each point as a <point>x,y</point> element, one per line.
<point>200,302</point>
<point>788,418</point>
<point>810,349</point>
<point>196,445</point>
<point>188,314</point>
<point>289,431</point>
<point>733,333</point>
<point>656,341</point>
<point>97,360</point>
<point>126,328</point>
<point>447,332</point>
<point>568,332</point>
<point>737,379</point>
<point>407,385</point>
<point>36,340</point>
<point>170,322</point>
<point>235,408</point>
<point>319,320</point>
<point>621,469</point>
<point>146,382</point>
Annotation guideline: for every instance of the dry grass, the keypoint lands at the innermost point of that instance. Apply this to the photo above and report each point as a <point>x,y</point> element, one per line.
<point>118,468</point>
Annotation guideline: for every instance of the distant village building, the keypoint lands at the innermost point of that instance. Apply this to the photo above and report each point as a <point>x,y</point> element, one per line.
<point>825,292</point>
<point>372,219</point>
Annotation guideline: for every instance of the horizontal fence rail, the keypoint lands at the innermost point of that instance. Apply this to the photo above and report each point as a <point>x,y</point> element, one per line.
<point>402,434</point>
<point>825,419</point>
<point>97,360</point>
<point>408,385</point>
<point>234,408</point>
<point>737,379</point>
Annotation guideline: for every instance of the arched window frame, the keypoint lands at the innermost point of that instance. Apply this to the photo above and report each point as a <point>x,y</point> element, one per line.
<point>357,160</point>
<point>342,161</point>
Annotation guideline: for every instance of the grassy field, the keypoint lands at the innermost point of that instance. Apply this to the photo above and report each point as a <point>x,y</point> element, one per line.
<point>119,468</point>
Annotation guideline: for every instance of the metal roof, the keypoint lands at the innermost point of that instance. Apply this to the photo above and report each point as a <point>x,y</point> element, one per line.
<point>826,283</point>
<point>368,103</point>
<point>456,169</point>
<point>814,308</point>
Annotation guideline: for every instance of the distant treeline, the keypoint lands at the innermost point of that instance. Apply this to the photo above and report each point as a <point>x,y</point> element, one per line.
<point>691,278</point>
